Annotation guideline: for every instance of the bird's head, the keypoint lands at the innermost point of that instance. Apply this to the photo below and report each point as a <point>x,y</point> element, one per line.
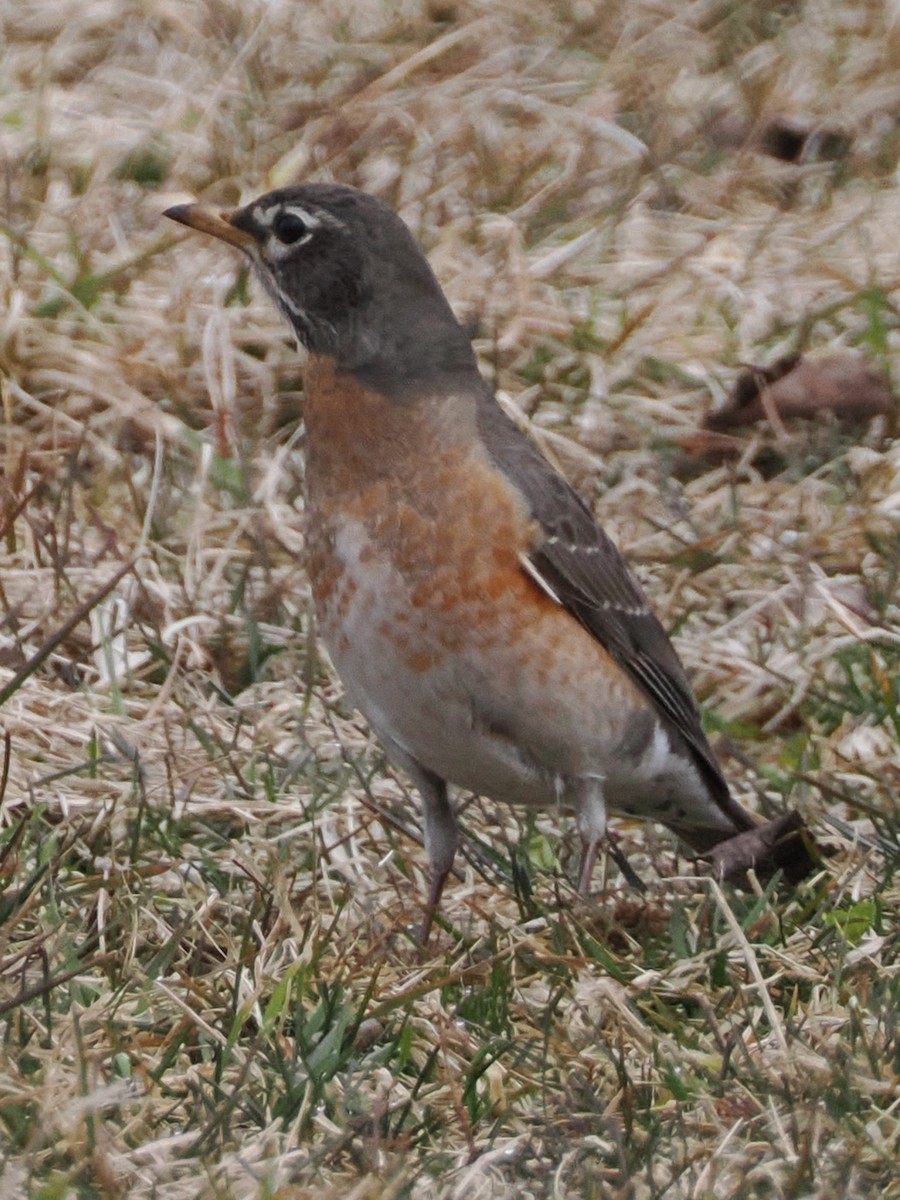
<point>350,278</point>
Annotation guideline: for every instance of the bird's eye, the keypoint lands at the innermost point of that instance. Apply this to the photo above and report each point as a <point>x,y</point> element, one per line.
<point>290,228</point>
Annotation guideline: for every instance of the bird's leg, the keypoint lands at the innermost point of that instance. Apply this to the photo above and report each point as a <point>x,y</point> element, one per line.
<point>589,852</point>
<point>435,891</point>
<point>591,816</point>
<point>586,797</point>
<point>441,829</point>
<point>441,839</point>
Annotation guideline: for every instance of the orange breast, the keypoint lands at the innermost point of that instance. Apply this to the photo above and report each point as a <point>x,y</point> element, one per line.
<point>404,508</point>
<point>414,552</point>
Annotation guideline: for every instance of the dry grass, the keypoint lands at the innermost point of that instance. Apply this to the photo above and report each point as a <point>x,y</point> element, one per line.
<point>209,987</point>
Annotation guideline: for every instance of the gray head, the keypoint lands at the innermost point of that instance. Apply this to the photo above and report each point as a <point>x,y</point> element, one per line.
<point>353,283</point>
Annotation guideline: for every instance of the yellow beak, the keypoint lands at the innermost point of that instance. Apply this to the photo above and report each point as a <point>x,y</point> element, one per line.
<point>215,221</point>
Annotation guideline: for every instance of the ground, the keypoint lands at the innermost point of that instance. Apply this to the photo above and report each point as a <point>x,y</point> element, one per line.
<point>211,880</point>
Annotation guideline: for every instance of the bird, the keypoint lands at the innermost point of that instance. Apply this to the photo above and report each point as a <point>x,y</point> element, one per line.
<point>485,625</point>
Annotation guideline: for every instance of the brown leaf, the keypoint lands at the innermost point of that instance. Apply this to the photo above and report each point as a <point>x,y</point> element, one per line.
<point>782,844</point>
<point>842,384</point>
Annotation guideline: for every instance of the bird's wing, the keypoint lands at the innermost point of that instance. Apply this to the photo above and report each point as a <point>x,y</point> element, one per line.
<point>578,564</point>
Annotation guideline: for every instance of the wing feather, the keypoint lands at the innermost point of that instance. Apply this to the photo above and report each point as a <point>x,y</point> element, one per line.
<point>580,567</point>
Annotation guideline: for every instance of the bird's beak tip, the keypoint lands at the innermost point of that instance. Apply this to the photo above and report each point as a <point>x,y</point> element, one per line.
<point>179,212</point>
<point>214,221</point>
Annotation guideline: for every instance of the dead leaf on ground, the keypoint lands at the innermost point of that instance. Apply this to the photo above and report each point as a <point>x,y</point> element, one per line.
<point>845,385</point>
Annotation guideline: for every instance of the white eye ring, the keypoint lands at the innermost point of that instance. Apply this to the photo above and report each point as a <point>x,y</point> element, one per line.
<point>286,221</point>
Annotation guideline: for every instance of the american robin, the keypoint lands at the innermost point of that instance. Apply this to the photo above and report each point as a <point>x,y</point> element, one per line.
<point>490,632</point>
